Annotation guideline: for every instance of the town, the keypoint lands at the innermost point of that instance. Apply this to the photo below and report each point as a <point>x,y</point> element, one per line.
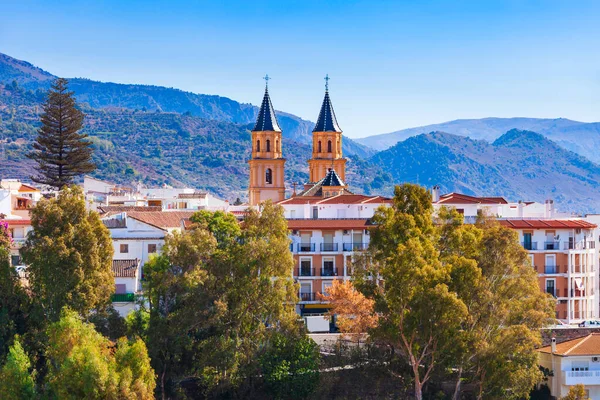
<point>329,227</point>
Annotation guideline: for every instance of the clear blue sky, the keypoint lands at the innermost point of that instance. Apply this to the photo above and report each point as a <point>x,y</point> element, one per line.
<point>393,64</point>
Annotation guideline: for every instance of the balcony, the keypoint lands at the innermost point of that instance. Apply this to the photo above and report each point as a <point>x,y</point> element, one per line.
<point>123,297</point>
<point>355,246</point>
<point>307,297</point>
<point>304,272</point>
<point>553,245</point>
<point>306,247</point>
<point>329,247</point>
<point>529,245</point>
<point>551,269</point>
<point>581,377</point>
<point>329,272</point>
<point>18,242</point>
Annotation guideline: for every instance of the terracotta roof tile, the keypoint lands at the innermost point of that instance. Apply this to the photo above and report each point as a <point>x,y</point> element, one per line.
<point>319,224</point>
<point>163,219</point>
<point>125,268</point>
<point>584,346</point>
<point>546,224</point>
<point>459,198</point>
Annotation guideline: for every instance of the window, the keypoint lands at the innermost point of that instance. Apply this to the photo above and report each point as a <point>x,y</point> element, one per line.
<point>315,212</point>
<point>580,366</point>
<point>15,260</point>
<point>550,286</point>
<point>305,267</point>
<point>277,148</point>
<point>258,145</point>
<point>319,146</point>
<point>326,284</point>
<point>292,214</point>
<point>269,175</point>
<point>306,292</point>
<point>120,288</point>
<point>151,248</point>
<point>124,248</point>
<point>268,145</point>
<point>328,267</point>
<point>329,146</point>
<point>527,244</point>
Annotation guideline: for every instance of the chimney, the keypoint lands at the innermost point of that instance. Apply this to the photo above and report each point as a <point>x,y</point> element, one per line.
<point>435,194</point>
<point>553,345</point>
<point>520,207</point>
<point>549,208</point>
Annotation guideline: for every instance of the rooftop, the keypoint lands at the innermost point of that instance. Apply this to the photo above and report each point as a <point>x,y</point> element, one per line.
<point>584,346</point>
<point>459,198</point>
<point>266,119</point>
<point>546,224</point>
<point>125,268</point>
<point>161,219</point>
<point>327,121</point>
<point>333,223</point>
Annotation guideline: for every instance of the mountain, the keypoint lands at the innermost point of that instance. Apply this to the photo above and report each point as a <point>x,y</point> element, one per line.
<point>580,137</point>
<point>107,95</point>
<point>519,165</point>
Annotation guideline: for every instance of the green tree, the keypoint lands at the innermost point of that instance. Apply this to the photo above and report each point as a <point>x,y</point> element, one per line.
<point>453,297</point>
<point>290,366</point>
<point>576,392</point>
<point>14,302</point>
<point>82,363</point>
<point>16,377</point>
<point>216,295</point>
<point>69,254</point>
<point>61,152</point>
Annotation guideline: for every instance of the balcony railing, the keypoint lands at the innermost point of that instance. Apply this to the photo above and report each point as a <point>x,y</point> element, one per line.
<point>529,245</point>
<point>304,272</point>
<point>581,377</point>
<point>355,246</point>
<point>551,269</point>
<point>306,247</point>
<point>329,272</point>
<point>329,247</point>
<point>307,297</point>
<point>123,297</point>
<point>551,291</point>
<point>554,245</point>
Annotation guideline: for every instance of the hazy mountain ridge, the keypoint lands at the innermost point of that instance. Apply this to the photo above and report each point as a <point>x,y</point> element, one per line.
<point>580,137</point>
<point>519,165</point>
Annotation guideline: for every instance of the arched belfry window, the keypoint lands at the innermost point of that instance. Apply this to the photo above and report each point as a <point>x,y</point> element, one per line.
<point>329,146</point>
<point>277,148</point>
<point>268,145</point>
<point>319,146</point>
<point>258,145</point>
<point>269,175</point>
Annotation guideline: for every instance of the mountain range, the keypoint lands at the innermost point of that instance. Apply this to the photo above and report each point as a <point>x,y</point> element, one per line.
<point>158,135</point>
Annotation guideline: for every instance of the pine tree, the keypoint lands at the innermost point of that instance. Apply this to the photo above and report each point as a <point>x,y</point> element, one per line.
<point>61,152</point>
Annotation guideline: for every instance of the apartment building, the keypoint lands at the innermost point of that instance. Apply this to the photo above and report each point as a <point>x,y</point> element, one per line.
<point>562,248</point>
<point>574,362</point>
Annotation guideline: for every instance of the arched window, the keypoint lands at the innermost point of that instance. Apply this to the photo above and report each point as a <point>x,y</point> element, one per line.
<point>329,146</point>
<point>268,145</point>
<point>277,146</point>
<point>269,174</point>
<point>258,145</point>
<point>319,146</point>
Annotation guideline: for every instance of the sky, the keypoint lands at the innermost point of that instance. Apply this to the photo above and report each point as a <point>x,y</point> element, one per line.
<point>393,64</point>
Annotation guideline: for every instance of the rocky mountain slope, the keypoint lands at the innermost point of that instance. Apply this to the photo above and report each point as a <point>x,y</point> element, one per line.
<point>519,165</point>
<point>580,137</point>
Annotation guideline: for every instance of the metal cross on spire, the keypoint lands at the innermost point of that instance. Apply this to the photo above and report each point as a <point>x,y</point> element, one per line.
<point>266,78</point>
<point>327,82</point>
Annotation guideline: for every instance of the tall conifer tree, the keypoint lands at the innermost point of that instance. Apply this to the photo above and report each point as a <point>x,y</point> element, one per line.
<point>61,152</point>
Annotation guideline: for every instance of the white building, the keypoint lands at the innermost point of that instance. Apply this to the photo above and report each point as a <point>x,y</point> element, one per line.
<point>571,363</point>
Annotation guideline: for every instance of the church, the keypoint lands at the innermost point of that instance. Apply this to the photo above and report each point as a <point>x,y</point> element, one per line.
<point>327,167</point>
<point>328,223</point>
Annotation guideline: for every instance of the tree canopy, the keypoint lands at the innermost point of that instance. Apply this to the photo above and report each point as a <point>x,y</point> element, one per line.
<point>69,255</point>
<point>61,152</point>
<point>450,297</point>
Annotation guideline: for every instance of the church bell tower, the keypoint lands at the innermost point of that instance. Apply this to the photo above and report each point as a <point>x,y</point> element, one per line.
<point>327,143</point>
<point>267,163</point>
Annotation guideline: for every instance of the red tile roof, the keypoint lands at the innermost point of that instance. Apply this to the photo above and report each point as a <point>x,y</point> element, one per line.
<point>161,219</point>
<point>16,221</point>
<point>125,268</point>
<point>584,346</point>
<point>28,188</point>
<point>546,224</point>
<point>319,224</point>
<point>120,209</point>
<point>459,198</point>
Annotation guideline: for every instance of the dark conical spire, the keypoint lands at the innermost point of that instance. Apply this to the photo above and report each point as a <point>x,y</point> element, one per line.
<point>327,121</point>
<point>266,120</point>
